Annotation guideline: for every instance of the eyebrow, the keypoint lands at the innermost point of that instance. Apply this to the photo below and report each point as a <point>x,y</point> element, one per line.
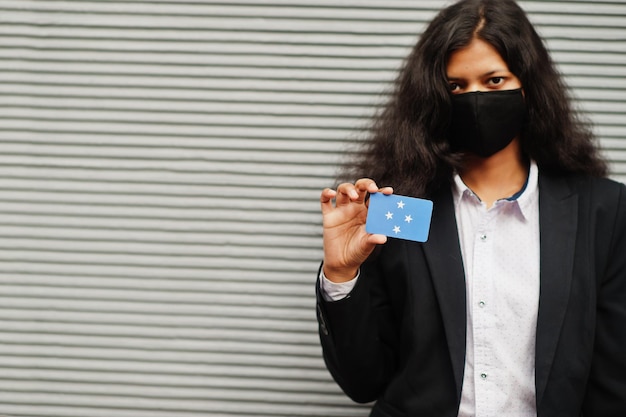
<point>482,75</point>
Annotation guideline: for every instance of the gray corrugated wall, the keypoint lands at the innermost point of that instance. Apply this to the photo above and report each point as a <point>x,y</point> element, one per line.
<point>160,165</point>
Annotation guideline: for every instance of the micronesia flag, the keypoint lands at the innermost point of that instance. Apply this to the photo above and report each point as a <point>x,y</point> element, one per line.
<point>399,216</point>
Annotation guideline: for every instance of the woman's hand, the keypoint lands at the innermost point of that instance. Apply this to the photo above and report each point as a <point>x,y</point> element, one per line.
<point>346,243</point>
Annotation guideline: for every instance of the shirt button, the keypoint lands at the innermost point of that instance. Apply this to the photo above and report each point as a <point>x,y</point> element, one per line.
<point>483,376</point>
<point>481,304</point>
<point>483,237</point>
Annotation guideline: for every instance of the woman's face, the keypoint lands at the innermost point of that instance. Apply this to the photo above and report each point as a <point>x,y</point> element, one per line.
<point>479,67</point>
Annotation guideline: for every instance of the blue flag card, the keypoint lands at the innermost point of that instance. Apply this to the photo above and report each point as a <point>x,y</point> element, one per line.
<point>399,216</point>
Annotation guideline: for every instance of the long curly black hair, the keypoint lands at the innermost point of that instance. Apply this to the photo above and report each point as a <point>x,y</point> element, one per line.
<point>407,147</point>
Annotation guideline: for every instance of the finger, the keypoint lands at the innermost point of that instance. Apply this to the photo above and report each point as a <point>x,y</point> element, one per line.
<point>326,199</point>
<point>365,186</point>
<point>377,239</point>
<point>346,193</point>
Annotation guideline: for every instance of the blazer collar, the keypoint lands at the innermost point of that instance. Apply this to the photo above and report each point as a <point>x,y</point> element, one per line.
<point>558,218</point>
<point>443,254</point>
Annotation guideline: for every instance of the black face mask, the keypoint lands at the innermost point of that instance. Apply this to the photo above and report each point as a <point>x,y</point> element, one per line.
<point>486,122</point>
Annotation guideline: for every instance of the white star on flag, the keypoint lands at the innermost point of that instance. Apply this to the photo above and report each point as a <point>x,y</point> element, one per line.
<point>396,229</point>
<point>400,204</point>
<point>408,218</point>
<point>389,215</point>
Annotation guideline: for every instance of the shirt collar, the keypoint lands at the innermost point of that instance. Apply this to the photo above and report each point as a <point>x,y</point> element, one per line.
<point>529,196</point>
<point>524,198</point>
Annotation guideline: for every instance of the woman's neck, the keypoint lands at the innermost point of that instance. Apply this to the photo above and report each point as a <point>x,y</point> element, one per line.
<point>498,176</point>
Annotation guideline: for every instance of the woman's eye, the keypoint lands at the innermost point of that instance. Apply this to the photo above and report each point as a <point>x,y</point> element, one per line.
<point>454,86</point>
<point>496,80</point>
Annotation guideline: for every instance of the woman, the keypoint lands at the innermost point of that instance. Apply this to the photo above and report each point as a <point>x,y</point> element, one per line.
<point>516,305</point>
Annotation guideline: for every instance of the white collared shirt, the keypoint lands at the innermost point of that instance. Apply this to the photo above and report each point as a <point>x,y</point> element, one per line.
<point>500,249</point>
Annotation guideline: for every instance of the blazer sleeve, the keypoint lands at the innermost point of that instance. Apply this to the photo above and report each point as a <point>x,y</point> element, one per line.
<point>606,390</point>
<point>358,335</point>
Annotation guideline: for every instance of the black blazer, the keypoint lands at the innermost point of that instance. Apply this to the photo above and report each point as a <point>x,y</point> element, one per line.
<point>399,337</point>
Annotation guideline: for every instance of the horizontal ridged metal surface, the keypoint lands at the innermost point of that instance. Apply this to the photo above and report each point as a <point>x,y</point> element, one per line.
<point>160,166</point>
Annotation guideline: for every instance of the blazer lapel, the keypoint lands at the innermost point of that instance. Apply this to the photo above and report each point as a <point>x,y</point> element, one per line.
<point>558,217</point>
<point>443,255</point>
